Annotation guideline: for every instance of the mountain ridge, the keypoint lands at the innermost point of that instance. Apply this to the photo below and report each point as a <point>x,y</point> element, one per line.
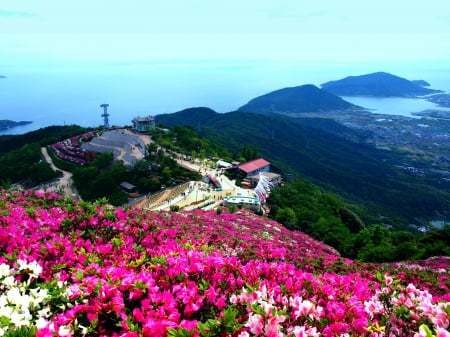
<point>296,100</point>
<point>379,84</point>
<point>6,124</point>
<point>353,170</point>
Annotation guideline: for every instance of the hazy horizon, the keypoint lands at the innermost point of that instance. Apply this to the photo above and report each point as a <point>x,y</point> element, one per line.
<point>62,60</point>
<point>50,33</point>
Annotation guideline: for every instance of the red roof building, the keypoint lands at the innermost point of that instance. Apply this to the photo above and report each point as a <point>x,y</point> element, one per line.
<point>254,167</point>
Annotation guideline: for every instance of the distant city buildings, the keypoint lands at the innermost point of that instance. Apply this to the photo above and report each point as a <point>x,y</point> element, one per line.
<point>143,124</point>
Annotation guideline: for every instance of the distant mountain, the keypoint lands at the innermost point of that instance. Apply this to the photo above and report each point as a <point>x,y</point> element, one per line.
<point>7,124</point>
<point>199,115</point>
<point>296,100</point>
<point>1,76</point>
<point>377,84</point>
<point>319,151</point>
<point>421,83</point>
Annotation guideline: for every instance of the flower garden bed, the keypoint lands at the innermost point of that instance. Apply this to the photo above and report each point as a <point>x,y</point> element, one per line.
<point>80,269</point>
<point>70,149</point>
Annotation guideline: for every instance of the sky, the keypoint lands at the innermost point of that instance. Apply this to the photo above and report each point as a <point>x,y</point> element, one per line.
<point>52,33</point>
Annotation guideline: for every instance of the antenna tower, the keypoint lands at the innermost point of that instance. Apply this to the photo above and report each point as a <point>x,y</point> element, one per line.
<point>105,115</point>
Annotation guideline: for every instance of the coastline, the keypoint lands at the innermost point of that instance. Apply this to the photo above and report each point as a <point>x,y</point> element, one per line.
<point>8,124</point>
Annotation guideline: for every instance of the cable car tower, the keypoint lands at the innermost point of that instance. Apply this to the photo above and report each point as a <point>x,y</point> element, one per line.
<point>105,115</point>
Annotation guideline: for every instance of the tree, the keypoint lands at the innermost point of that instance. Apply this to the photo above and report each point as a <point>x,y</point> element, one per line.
<point>351,219</point>
<point>287,217</point>
<point>166,174</point>
<point>103,160</point>
<point>151,151</point>
<point>377,253</point>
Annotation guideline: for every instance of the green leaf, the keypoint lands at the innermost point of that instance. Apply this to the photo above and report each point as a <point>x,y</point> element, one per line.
<point>427,330</point>
<point>79,275</point>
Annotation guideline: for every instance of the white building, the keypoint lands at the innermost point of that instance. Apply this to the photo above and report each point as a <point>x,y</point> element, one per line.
<point>143,124</point>
<point>242,201</point>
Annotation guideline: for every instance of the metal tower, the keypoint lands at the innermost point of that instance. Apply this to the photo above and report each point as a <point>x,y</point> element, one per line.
<point>105,115</point>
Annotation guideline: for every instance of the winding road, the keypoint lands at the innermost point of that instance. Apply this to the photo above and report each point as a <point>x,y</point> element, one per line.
<point>64,184</point>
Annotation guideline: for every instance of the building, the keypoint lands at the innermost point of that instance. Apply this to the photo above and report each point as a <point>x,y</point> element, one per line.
<point>273,178</point>
<point>221,163</point>
<point>242,201</point>
<point>143,124</point>
<point>254,167</point>
<point>127,187</point>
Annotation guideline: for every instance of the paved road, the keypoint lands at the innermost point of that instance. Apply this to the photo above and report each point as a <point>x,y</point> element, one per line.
<point>64,184</point>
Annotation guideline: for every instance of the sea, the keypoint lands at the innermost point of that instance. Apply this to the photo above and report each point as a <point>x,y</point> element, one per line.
<point>73,95</point>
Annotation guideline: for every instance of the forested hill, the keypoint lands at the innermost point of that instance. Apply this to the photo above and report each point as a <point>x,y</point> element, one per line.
<point>351,169</point>
<point>198,116</point>
<point>6,123</point>
<point>301,99</point>
<point>379,84</point>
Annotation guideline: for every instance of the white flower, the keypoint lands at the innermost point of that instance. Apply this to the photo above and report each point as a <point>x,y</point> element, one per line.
<point>83,329</point>
<point>41,323</point>
<point>45,312</point>
<point>9,281</point>
<point>5,310</point>
<point>35,268</point>
<point>38,295</point>
<point>5,270</point>
<point>20,318</point>
<point>13,295</point>
<point>21,264</point>
<point>64,331</point>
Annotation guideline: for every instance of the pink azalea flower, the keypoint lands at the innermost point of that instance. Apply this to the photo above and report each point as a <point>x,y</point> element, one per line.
<point>255,323</point>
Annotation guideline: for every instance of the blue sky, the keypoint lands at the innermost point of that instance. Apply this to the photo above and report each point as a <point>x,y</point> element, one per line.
<point>42,33</point>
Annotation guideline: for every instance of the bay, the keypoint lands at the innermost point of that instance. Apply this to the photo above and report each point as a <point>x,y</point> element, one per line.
<point>63,96</point>
<point>394,105</point>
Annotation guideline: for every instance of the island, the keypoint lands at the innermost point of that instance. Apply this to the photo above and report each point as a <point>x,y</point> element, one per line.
<point>1,76</point>
<point>297,100</point>
<point>6,124</point>
<point>378,84</point>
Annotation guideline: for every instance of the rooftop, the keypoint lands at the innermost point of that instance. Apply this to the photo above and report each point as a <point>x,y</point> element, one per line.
<point>237,199</point>
<point>253,165</point>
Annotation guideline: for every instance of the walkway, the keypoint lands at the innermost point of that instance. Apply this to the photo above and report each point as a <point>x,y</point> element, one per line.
<point>198,193</point>
<point>62,185</point>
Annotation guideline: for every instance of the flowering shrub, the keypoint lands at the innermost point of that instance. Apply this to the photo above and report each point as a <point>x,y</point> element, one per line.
<point>81,269</point>
<point>70,149</point>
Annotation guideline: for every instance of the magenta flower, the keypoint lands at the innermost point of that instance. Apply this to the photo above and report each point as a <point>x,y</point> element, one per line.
<point>115,272</point>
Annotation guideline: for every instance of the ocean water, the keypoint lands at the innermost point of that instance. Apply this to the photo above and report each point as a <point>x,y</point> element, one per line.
<point>62,96</point>
<point>394,105</point>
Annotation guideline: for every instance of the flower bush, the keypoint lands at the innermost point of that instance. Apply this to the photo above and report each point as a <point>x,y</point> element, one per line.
<point>70,149</point>
<point>82,269</point>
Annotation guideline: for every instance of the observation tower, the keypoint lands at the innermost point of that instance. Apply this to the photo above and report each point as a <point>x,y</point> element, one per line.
<point>105,115</point>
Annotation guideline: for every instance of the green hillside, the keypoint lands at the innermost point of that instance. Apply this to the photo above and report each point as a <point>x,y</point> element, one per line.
<point>353,170</point>
<point>301,99</point>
